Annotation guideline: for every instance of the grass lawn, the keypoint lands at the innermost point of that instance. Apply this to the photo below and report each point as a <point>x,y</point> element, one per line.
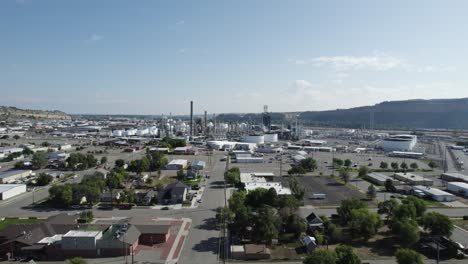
<point>461,223</point>
<point>432,203</point>
<point>193,182</point>
<point>7,222</point>
<point>165,180</point>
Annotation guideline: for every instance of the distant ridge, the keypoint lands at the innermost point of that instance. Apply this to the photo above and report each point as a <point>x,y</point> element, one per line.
<point>10,113</point>
<point>435,113</point>
<point>408,114</point>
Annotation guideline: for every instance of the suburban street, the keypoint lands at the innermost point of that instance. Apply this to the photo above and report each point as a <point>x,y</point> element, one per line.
<point>202,243</point>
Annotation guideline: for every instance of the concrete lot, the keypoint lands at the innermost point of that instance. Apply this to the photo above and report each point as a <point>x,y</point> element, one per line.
<point>334,191</point>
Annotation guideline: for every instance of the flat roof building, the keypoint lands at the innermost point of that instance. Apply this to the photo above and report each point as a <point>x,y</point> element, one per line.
<point>177,164</point>
<point>13,175</point>
<point>413,179</point>
<point>379,178</point>
<point>453,176</point>
<point>11,190</point>
<point>436,194</point>
<point>460,188</point>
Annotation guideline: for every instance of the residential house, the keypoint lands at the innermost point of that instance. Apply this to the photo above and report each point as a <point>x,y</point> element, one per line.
<point>173,194</point>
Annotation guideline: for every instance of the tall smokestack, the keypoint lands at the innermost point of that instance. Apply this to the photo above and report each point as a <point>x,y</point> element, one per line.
<point>191,118</point>
<point>206,125</point>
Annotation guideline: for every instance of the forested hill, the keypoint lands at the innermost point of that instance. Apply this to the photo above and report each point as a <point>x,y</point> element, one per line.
<point>436,113</point>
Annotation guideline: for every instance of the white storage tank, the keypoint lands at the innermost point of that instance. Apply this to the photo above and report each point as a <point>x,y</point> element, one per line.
<point>257,139</point>
<point>271,137</point>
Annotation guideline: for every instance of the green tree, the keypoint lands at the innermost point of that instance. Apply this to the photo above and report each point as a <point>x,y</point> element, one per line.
<point>297,189</point>
<point>180,174</point>
<point>232,176</point>
<point>432,164</point>
<point>39,160</point>
<point>119,163</point>
<point>5,137</point>
<point>344,175</point>
<point>295,224</point>
<point>404,211</point>
<point>388,207</point>
<point>297,170</point>
<point>364,223</point>
<point>407,231</point>
<point>437,223</point>
<point>224,213</point>
<point>347,163</point>
<point>333,233</point>
<point>404,166</point>
<point>321,256</point>
<point>103,160</point>
<point>46,144</point>
<point>61,195</point>
<point>139,166</point>
<point>259,197</point>
<point>371,192</point>
<point>16,137</point>
<point>338,162</point>
<point>408,256</point>
<point>27,151</point>
<point>87,216</point>
<point>157,160</point>
<point>363,171</point>
<point>383,165</point>
<point>347,205</point>
<point>394,165</point>
<point>288,201</point>
<point>43,179</point>
<point>77,260</point>
<point>389,187</point>
<point>418,204</point>
<point>414,166</point>
<point>266,225</point>
<point>346,255</point>
<point>309,164</point>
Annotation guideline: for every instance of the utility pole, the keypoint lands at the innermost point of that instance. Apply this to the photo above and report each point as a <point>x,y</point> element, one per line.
<point>224,215</point>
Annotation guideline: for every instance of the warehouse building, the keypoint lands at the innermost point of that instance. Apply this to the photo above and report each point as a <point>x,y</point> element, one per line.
<point>177,164</point>
<point>380,179</point>
<point>436,194</point>
<point>413,179</point>
<point>460,188</point>
<point>453,176</point>
<point>13,175</point>
<point>11,190</point>
<point>399,143</point>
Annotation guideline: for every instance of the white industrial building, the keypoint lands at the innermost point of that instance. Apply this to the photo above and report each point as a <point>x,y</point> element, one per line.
<point>268,148</point>
<point>453,176</point>
<point>13,175</point>
<point>177,164</point>
<point>399,143</point>
<point>458,188</point>
<point>11,190</point>
<point>318,149</point>
<point>413,179</point>
<point>436,194</point>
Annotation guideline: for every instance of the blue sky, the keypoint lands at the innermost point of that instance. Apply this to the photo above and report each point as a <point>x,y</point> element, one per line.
<point>153,57</point>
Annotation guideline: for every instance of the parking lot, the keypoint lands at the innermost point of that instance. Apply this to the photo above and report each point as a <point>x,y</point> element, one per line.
<point>334,191</point>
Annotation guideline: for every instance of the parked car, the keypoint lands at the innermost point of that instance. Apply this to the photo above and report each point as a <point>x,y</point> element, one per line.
<point>165,208</point>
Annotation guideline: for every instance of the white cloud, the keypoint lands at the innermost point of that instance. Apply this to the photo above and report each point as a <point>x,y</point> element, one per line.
<point>20,1</point>
<point>183,50</point>
<point>180,22</point>
<point>94,38</point>
<point>377,62</point>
